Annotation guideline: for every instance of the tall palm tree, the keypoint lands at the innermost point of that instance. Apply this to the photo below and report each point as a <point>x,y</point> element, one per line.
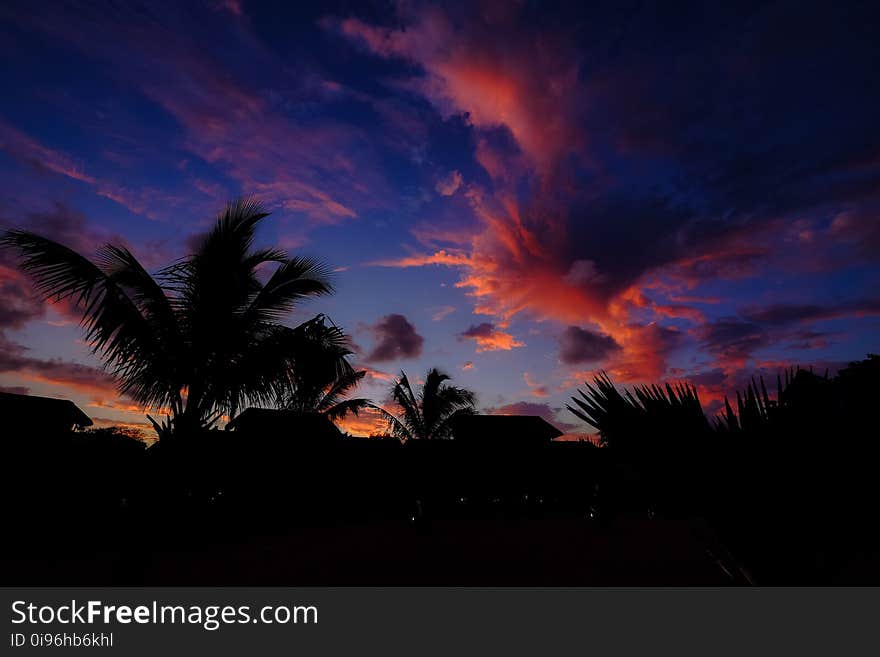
<point>324,377</point>
<point>429,414</point>
<point>204,336</point>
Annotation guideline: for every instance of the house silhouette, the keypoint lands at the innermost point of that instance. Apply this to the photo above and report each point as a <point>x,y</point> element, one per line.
<point>270,422</point>
<point>28,414</point>
<point>503,431</point>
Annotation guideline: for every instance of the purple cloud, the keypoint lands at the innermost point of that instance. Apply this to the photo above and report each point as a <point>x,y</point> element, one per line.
<point>579,345</point>
<point>396,338</point>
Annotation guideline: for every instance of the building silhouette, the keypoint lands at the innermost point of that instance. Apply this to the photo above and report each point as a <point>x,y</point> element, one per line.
<point>28,415</point>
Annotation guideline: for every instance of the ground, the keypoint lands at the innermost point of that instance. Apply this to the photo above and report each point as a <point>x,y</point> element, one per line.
<point>556,549</point>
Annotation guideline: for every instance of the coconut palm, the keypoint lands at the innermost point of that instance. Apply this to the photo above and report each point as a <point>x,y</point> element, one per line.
<point>201,338</point>
<point>323,376</point>
<point>429,415</point>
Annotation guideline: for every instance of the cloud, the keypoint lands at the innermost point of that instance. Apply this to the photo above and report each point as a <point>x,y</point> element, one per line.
<point>84,379</point>
<point>441,312</point>
<point>467,365</point>
<point>585,205</point>
<point>733,341</point>
<point>588,201</point>
<point>28,150</point>
<point>368,422</point>
<point>144,200</point>
<point>396,338</point>
<point>490,338</point>
<point>536,389</point>
<point>376,375</point>
<point>18,302</point>
<point>62,223</point>
<point>442,257</point>
<point>232,6</point>
<point>786,313</point>
<point>449,184</point>
<point>578,345</point>
<point>228,120</point>
<point>15,390</point>
<point>488,65</point>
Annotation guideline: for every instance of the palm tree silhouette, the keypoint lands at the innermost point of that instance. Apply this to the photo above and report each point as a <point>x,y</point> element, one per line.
<point>323,376</point>
<point>429,415</point>
<point>204,336</point>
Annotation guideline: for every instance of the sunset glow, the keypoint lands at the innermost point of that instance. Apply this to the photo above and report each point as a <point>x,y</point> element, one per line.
<point>520,199</point>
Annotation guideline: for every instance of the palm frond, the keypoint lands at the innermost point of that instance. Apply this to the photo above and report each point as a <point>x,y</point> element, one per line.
<point>396,427</point>
<point>340,409</point>
<point>117,326</point>
<point>427,415</point>
<point>294,280</point>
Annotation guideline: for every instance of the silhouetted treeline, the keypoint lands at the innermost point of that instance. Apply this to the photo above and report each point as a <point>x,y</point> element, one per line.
<point>785,477</point>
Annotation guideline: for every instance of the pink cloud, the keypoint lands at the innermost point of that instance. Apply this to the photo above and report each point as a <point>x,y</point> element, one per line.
<point>449,184</point>
<point>499,71</point>
<point>26,149</point>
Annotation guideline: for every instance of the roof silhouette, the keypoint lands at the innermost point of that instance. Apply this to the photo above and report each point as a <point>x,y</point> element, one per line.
<point>504,429</point>
<point>41,412</point>
<point>283,424</point>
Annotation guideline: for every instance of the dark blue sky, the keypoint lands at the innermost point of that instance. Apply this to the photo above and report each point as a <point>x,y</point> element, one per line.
<point>519,193</point>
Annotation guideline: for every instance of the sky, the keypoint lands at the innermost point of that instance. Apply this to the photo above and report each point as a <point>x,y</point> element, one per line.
<point>521,194</point>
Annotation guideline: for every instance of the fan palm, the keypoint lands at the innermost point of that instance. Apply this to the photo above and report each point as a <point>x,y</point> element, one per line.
<point>626,419</point>
<point>204,336</point>
<point>429,414</point>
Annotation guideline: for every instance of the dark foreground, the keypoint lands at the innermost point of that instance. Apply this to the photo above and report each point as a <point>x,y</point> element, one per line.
<point>253,510</point>
<point>557,549</point>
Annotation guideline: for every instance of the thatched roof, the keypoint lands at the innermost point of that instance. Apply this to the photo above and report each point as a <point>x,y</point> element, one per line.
<point>22,409</point>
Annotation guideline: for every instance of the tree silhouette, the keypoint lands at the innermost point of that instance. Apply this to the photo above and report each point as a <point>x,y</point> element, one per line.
<point>323,376</point>
<point>204,336</point>
<point>429,415</point>
<point>629,418</point>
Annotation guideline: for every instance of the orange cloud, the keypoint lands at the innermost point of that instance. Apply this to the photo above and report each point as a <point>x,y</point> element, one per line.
<point>368,422</point>
<point>490,338</point>
<point>536,389</point>
<point>441,257</point>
